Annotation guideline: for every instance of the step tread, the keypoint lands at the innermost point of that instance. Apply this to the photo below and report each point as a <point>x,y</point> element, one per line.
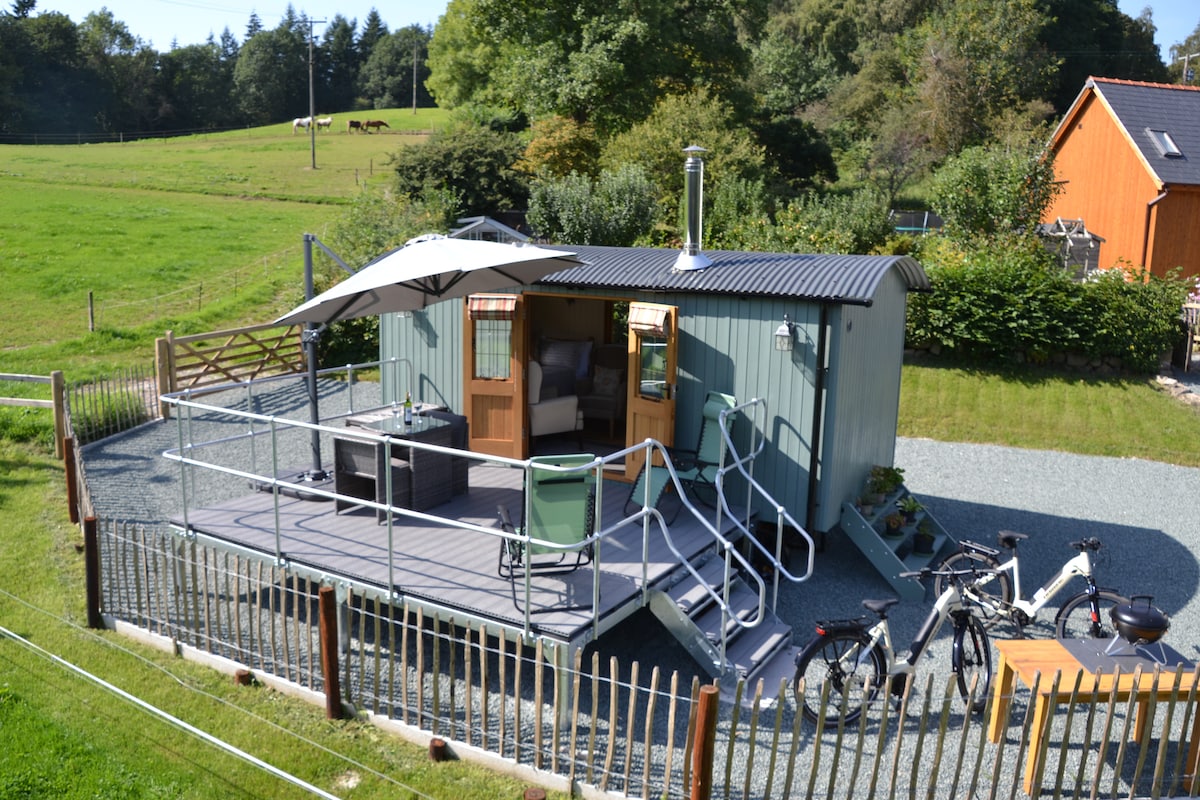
<point>755,645</point>
<point>691,595</point>
<point>743,602</point>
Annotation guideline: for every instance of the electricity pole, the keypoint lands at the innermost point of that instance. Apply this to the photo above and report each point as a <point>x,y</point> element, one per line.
<point>312,112</point>
<point>1187,70</point>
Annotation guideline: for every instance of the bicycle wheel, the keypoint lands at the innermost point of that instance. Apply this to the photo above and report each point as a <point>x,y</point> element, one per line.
<point>1075,620</point>
<point>991,591</point>
<point>854,669</point>
<point>971,659</point>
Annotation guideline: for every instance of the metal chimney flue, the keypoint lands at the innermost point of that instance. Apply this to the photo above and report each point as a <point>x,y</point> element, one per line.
<point>690,258</point>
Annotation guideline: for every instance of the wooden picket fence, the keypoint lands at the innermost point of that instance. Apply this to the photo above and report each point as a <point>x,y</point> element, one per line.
<point>604,727</point>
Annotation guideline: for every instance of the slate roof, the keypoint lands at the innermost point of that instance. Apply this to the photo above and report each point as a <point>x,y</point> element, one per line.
<point>1139,106</point>
<point>841,279</point>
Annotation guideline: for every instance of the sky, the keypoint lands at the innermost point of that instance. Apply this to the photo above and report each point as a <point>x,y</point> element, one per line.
<point>163,22</point>
<point>160,23</point>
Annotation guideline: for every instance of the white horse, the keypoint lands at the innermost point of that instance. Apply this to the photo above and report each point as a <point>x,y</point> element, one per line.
<point>301,122</point>
<point>324,122</point>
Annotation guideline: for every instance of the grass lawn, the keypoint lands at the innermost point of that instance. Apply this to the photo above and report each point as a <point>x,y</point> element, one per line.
<point>62,736</point>
<point>1126,417</point>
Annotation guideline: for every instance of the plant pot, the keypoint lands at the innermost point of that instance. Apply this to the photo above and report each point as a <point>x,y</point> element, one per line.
<point>893,526</point>
<point>923,543</point>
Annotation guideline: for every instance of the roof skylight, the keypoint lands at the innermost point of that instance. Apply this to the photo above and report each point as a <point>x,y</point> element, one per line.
<point>1165,144</point>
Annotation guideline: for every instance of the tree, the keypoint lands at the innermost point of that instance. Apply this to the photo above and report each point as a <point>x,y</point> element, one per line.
<point>656,145</point>
<point>373,31</point>
<point>991,190</point>
<point>600,62</point>
<point>1092,37</point>
<point>21,9</point>
<point>126,69</point>
<point>1189,45</point>
<point>386,79</point>
<point>972,61</point>
<point>195,84</point>
<point>559,146</point>
<point>470,162</point>
<point>340,66</point>
<point>271,75</point>
<point>462,58</point>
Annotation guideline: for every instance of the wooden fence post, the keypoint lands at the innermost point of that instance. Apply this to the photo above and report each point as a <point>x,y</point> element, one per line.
<point>91,560</point>
<point>327,602</point>
<point>163,371</point>
<point>72,482</point>
<point>58,397</point>
<point>704,746</point>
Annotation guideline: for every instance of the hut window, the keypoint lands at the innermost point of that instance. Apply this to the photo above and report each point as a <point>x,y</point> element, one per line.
<point>1165,144</point>
<point>491,317</point>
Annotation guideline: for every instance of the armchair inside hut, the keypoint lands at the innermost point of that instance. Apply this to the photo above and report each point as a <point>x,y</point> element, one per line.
<point>602,392</point>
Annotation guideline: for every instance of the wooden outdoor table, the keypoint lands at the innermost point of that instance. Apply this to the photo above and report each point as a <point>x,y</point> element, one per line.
<point>1026,658</point>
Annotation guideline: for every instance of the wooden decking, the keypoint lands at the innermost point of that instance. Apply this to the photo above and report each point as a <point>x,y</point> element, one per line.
<point>451,567</point>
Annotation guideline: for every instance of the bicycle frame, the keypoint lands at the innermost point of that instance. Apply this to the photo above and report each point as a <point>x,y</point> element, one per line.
<point>948,605</point>
<point>1077,566</point>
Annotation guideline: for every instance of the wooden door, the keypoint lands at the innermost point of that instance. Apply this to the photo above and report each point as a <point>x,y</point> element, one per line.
<point>653,361</point>
<point>494,373</point>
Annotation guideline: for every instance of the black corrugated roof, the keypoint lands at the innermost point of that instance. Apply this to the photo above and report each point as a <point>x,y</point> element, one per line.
<point>1158,106</point>
<point>850,280</point>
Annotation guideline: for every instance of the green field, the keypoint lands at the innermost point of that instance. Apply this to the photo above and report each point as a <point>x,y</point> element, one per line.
<point>109,245</point>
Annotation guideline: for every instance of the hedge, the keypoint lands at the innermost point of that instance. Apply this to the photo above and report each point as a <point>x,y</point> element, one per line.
<point>1012,303</point>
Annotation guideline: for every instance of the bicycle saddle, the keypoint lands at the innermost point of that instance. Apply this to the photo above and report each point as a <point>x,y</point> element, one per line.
<point>1009,539</point>
<point>880,607</point>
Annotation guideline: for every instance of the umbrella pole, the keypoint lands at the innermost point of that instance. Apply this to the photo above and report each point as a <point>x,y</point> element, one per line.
<point>309,337</point>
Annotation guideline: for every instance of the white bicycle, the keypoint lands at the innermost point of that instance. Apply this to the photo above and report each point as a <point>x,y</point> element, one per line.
<point>996,591</point>
<point>855,657</point>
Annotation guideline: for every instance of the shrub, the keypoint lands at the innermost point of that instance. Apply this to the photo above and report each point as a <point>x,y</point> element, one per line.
<point>473,163</point>
<point>613,210</point>
<point>848,223</point>
<point>1010,302</point>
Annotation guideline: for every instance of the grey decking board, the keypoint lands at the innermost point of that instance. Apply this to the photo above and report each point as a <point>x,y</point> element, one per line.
<point>451,566</point>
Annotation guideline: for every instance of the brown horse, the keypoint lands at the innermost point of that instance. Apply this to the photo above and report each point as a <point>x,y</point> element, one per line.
<point>374,123</point>
<point>354,125</point>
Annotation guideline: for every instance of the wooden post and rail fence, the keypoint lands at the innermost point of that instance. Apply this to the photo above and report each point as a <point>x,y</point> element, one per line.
<point>237,355</point>
<point>55,403</point>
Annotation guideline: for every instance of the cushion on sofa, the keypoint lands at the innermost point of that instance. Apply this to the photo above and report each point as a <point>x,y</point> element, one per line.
<point>607,381</point>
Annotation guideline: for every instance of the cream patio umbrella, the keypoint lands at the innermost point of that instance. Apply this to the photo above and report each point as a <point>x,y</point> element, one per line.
<point>426,270</point>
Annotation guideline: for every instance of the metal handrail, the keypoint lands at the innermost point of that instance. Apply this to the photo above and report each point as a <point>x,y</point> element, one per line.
<point>752,486</point>
<point>188,454</point>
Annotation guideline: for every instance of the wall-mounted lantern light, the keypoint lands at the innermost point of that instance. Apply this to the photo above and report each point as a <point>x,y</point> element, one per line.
<point>783,334</point>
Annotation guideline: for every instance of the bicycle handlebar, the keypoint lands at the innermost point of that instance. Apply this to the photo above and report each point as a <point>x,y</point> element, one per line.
<point>1090,543</point>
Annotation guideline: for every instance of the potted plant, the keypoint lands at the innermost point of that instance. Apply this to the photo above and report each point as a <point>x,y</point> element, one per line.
<point>924,538</point>
<point>909,506</point>
<point>885,480</point>
<point>866,505</point>
<point>893,524</point>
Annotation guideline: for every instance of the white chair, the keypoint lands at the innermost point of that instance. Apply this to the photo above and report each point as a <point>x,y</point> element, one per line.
<point>552,414</point>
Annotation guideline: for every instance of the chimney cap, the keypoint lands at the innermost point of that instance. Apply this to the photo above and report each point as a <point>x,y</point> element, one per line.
<point>694,149</point>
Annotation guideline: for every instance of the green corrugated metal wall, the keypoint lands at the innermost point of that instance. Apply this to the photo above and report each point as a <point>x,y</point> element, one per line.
<point>727,344</point>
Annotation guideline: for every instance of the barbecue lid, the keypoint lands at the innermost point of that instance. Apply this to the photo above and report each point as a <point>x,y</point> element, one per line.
<point>1139,620</point>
